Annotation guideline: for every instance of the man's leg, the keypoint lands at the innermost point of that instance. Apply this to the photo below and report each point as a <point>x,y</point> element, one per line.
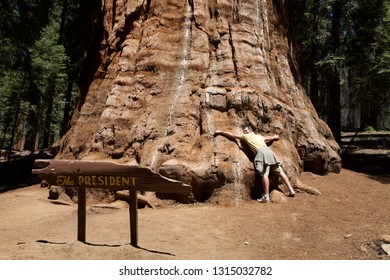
<point>265,181</point>
<point>285,180</point>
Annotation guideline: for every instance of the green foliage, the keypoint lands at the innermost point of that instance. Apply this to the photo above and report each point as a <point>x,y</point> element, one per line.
<point>362,57</point>
<point>12,79</point>
<point>48,62</point>
<point>48,58</point>
<point>41,44</point>
<point>369,129</point>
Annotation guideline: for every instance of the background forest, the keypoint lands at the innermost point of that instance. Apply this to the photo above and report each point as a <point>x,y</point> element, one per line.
<point>342,49</point>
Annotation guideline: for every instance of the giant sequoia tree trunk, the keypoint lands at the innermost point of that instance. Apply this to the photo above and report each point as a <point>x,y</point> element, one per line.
<point>169,73</point>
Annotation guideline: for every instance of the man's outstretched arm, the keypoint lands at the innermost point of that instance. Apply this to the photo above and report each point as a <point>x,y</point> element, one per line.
<point>271,139</point>
<point>227,134</point>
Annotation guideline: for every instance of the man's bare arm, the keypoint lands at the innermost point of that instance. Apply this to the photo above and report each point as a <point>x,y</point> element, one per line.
<point>228,134</point>
<point>271,139</point>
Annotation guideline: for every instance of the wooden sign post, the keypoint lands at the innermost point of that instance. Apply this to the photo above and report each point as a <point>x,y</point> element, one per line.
<point>102,174</point>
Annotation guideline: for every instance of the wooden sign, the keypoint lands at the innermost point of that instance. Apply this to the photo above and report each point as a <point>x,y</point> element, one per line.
<point>102,174</point>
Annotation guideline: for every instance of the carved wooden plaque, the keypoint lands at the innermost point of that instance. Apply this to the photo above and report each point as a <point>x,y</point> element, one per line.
<point>109,175</point>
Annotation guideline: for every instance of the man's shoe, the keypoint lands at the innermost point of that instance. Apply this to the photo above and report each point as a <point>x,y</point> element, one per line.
<point>291,193</point>
<point>264,199</point>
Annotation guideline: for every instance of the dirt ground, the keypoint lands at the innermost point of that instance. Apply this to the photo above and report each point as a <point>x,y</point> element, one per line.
<point>347,221</point>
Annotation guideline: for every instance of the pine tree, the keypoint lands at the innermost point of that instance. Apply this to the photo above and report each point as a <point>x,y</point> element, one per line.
<point>49,76</point>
